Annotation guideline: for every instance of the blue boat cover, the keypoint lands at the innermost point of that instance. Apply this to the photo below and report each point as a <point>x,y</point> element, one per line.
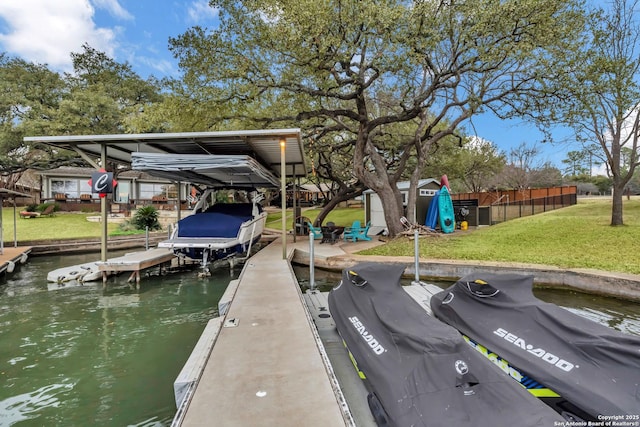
<point>221,220</point>
<point>432,213</point>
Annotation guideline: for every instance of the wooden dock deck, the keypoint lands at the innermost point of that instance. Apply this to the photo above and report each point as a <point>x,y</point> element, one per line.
<point>266,367</point>
<point>13,255</point>
<point>136,262</point>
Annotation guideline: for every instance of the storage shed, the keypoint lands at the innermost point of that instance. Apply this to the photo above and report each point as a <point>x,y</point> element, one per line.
<point>374,213</point>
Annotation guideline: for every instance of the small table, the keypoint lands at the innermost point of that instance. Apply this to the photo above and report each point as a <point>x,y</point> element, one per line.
<point>331,233</point>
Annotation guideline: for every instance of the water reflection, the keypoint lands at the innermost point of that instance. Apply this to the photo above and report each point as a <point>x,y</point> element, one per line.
<point>26,406</point>
<point>85,355</point>
<point>616,313</point>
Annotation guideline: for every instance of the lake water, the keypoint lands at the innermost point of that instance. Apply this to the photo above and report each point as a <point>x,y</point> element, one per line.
<point>88,356</point>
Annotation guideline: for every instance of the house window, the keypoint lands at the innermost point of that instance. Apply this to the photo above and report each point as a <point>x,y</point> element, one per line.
<point>85,188</point>
<point>123,190</point>
<point>68,187</point>
<point>427,192</point>
<point>148,190</point>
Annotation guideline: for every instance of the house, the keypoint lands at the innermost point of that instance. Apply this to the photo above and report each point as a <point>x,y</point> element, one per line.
<point>374,213</point>
<point>27,183</point>
<point>70,188</point>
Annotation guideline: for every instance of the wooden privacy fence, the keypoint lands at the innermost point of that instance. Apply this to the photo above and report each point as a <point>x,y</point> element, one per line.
<point>499,206</point>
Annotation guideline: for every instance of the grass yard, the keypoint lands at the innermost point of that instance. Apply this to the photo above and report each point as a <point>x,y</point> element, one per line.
<point>59,226</point>
<point>339,216</point>
<point>575,237</point>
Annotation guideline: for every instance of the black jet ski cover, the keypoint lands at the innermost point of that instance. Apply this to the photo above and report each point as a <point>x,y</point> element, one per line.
<point>590,365</point>
<point>421,370</point>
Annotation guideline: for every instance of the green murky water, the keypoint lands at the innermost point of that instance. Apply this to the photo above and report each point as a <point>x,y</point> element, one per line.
<point>88,356</point>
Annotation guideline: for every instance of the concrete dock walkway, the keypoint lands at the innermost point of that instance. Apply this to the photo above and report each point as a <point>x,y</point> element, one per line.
<point>11,256</point>
<point>265,367</point>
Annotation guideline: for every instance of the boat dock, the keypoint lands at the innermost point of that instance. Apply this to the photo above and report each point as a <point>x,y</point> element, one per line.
<point>267,365</point>
<point>13,255</point>
<point>136,262</point>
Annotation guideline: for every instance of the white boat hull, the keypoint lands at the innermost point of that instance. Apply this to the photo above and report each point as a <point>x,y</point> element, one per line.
<point>87,272</point>
<point>218,247</point>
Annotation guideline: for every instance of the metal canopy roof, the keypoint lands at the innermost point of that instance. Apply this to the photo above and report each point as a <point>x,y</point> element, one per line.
<point>262,145</point>
<point>8,194</point>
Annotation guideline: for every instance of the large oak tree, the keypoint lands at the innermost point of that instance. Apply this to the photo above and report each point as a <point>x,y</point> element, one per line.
<point>391,78</point>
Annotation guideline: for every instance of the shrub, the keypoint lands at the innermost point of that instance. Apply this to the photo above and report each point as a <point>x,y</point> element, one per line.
<point>146,216</point>
<point>44,206</point>
<point>126,226</point>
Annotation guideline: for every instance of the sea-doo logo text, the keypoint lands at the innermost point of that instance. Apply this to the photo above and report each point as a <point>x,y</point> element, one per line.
<point>538,352</point>
<point>366,336</point>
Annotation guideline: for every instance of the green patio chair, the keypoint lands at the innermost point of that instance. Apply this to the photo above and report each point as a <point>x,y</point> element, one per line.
<point>317,232</point>
<point>356,232</point>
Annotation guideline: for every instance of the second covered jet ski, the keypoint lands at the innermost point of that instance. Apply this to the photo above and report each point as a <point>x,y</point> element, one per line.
<point>419,371</point>
<point>584,370</point>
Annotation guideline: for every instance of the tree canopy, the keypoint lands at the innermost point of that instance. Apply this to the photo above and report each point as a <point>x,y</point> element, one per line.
<point>390,78</point>
<point>600,94</point>
<point>100,96</point>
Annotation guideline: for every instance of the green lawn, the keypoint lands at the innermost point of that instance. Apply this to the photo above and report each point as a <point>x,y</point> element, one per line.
<point>339,216</point>
<point>59,226</point>
<point>575,237</point>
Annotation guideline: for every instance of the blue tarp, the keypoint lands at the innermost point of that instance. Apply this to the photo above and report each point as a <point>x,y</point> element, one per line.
<point>221,220</point>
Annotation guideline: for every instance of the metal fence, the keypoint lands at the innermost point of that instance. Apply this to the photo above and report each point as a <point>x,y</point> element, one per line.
<point>500,212</point>
<point>494,207</point>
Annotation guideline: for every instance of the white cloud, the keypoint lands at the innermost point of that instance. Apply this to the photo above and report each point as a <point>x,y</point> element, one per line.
<point>162,66</point>
<point>200,11</point>
<point>114,8</point>
<point>46,31</point>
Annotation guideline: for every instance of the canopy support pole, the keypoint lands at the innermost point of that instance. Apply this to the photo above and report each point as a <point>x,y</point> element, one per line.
<point>294,204</point>
<point>283,195</point>
<point>103,209</point>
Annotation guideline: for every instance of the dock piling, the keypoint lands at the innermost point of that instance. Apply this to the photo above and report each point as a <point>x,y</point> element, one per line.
<point>312,279</point>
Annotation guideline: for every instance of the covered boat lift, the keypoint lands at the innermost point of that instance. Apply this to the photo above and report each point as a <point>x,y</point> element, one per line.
<point>279,151</point>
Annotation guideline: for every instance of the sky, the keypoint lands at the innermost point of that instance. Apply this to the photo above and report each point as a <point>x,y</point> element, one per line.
<point>138,31</point>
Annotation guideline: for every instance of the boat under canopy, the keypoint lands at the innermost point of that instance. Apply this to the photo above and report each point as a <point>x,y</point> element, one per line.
<point>214,230</point>
<point>214,171</point>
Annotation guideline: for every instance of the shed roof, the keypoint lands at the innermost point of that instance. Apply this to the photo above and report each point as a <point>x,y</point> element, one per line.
<point>404,185</point>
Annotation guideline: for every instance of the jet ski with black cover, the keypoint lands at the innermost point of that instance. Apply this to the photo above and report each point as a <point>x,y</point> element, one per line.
<point>419,371</point>
<point>584,370</point>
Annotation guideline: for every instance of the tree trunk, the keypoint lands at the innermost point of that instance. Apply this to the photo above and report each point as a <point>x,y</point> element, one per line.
<point>333,202</point>
<point>616,205</point>
<point>392,205</point>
